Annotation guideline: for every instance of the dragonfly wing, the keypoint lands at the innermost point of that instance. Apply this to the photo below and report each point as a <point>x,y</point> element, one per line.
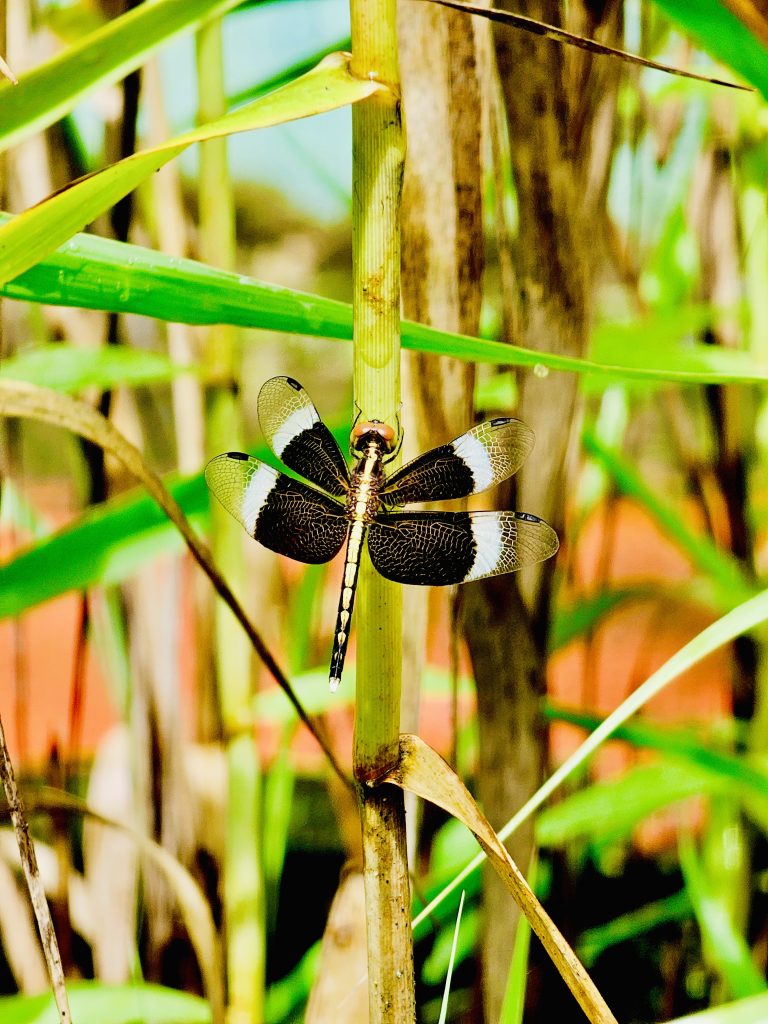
<point>437,548</point>
<point>284,515</point>
<point>298,437</point>
<point>485,455</point>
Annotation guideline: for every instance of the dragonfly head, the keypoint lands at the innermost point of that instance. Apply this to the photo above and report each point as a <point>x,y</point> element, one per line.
<point>372,430</point>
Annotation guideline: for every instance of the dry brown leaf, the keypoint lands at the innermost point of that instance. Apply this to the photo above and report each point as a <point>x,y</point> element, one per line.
<point>340,993</point>
<point>422,771</point>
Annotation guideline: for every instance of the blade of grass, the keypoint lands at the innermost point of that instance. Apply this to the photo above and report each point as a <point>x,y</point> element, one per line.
<point>449,973</point>
<point>105,56</point>
<point>38,231</point>
<point>743,1011</point>
<point>674,742</point>
<point>726,947</point>
<point>70,368</point>
<point>720,566</point>
<point>278,803</point>
<point>94,1003</point>
<point>422,771</point>
<point>723,35</point>
<point>517,980</point>
<point>741,619</point>
<point>559,35</point>
<point>611,809</point>
<point>98,273</point>
<point>594,941</point>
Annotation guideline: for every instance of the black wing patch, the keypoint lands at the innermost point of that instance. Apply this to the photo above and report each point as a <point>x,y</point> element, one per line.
<point>298,436</point>
<point>282,514</point>
<point>485,455</point>
<point>437,548</point>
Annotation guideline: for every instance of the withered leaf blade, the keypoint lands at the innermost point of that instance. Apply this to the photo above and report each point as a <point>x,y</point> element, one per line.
<point>561,35</point>
<point>422,771</point>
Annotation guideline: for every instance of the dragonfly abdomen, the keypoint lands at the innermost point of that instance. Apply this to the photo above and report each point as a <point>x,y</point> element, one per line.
<point>346,600</point>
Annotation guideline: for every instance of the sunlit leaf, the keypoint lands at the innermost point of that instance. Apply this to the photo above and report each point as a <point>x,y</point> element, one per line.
<point>70,368</point>
<point>95,1003</point>
<point>611,809</point>
<point>724,36</point>
<point>744,1011</point>
<point>726,946</point>
<point>108,54</point>
<point>97,273</point>
<point>38,231</point>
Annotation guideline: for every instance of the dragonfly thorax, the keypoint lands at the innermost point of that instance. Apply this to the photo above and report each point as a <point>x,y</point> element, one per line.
<point>366,481</point>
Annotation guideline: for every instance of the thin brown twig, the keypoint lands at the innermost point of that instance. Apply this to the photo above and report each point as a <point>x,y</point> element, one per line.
<point>561,35</point>
<point>34,883</point>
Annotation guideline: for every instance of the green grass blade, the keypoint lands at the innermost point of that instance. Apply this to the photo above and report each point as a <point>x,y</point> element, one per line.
<point>723,35</point>
<point>678,743</point>
<point>34,234</point>
<point>95,1003</point>
<point>594,941</point>
<point>726,947</point>
<point>278,802</point>
<point>107,543</point>
<point>105,56</point>
<point>744,1011</point>
<point>720,566</point>
<point>253,92</point>
<point>449,974</point>
<point>573,620</point>
<point>611,809</point>
<point>97,273</point>
<point>70,368</point>
<point>742,619</point>
<point>513,1006</point>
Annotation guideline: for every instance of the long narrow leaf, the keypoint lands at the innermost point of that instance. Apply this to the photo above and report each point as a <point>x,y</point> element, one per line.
<point>727,947</point>
<point>105,56</point>
<point>95,1003</point>
<point>70,368</point>
<point>38,231</point>
<point>720,566</point>
<point>557,34</point>
<point>723,35</point>
<point>97,273</point>
<point>739,620</point>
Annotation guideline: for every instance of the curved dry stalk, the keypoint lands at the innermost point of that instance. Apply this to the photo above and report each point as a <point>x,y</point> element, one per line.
<point>422,771</point>
<point>560,35</point>
<point>34,883</point>
<point>18,398</point>
<point>195,910</point>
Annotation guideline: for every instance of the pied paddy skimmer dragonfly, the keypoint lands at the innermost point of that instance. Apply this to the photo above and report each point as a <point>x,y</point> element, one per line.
<point>312,523</point>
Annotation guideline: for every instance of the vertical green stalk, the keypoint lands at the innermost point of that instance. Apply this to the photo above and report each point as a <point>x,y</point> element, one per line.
<point>243,883</point>
<point>378,154</point>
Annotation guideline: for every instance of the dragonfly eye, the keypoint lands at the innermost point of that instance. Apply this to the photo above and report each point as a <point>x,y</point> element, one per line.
<point>361,433</point>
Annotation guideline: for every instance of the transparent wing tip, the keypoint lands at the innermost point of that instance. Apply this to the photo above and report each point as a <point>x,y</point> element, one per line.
<point>333,683</point>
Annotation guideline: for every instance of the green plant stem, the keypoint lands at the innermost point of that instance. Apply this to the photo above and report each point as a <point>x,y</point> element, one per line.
<point>378,154</point>
<point>243,881</point>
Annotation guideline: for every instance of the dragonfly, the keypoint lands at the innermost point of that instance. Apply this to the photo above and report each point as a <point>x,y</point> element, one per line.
<point>312,519</point>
